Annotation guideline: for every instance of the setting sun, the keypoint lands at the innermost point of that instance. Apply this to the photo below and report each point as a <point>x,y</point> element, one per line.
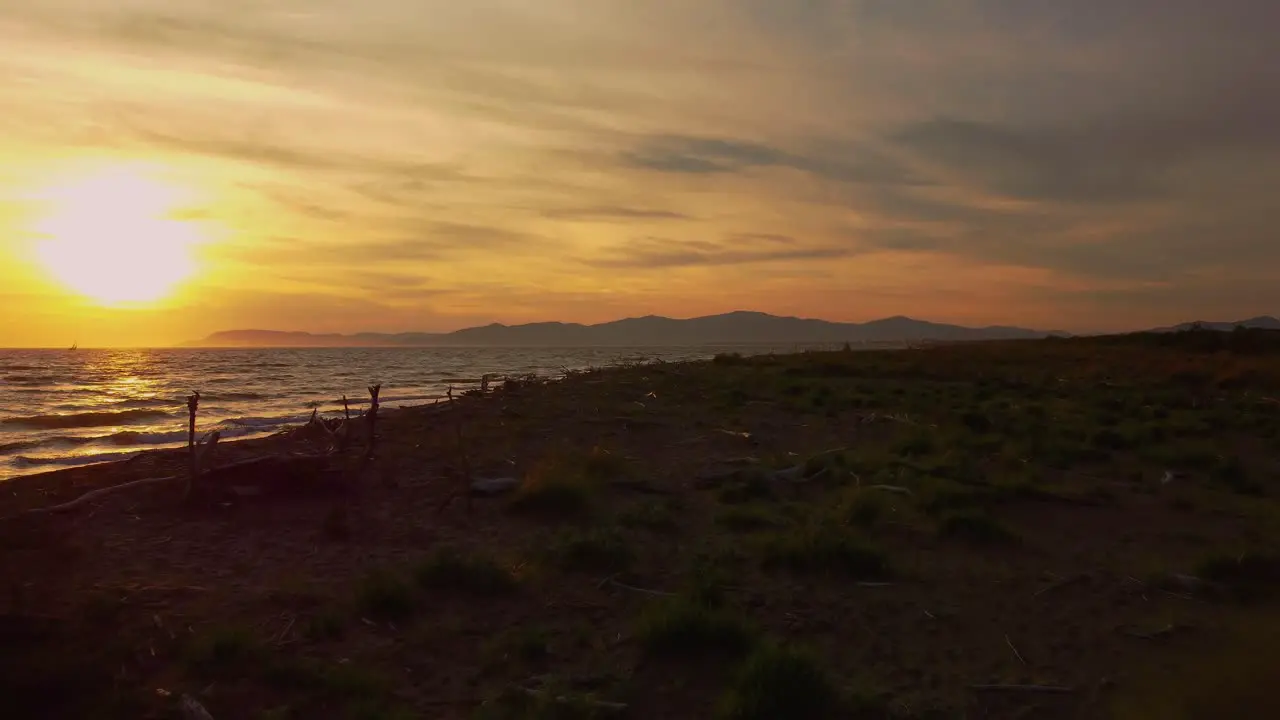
<point>113,236</point>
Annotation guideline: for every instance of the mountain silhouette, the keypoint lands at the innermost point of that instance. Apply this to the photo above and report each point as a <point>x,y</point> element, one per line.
<point>741,327</point>
<point>1262,322</point>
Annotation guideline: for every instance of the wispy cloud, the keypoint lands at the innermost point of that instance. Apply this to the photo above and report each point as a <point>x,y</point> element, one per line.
<point>741,249</point>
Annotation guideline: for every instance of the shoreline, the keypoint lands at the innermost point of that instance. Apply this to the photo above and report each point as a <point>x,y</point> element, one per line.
<point>58,485</point>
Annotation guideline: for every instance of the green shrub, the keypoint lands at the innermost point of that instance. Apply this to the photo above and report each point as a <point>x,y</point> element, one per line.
<point>866,508</point>
<point>826,550</point>
<point>681,626</point>
<point>748,518</point>
<point>449,570</point>
<point>976,526</point>
<point>778,682</point>
<point>595,550</point>
<point>384,595</point>
<point>221,650</point>
<point>553,496</point>
<point>1246,577</point>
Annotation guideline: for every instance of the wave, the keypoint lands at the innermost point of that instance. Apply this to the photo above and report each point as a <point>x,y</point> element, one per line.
<point>266,422</point>
<point>133,437</point>
<point>86,419</point>
<point>410,398</point>
<point>129,438</point>
<point>225,397</point>
<point>29,379</point>
<point>10,447</point>
<point>144,403</point>
<point>71,460</point>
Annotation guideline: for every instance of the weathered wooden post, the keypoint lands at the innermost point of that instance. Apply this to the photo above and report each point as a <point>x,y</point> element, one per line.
<point>372,418</point>
<point>193,406</point>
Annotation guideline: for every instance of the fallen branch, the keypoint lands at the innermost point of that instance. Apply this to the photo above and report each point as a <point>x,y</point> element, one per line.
<point>614,581</point>
<point>1016,654</point>
<point>895,489</point>
<point>1053,689</point>
<point>101,492</point>
<point>193,710</point>
<point>598,704</point>
<point>282,462</point>
<point>204,455</point>
<point>1154,635</point>
<point>1059,584</point>
<point>643,487</point>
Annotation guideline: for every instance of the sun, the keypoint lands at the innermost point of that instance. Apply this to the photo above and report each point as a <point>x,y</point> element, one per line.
<point>113,235</point>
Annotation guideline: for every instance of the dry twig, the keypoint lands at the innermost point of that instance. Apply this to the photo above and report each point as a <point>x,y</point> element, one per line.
<point>1053,689</point>
<point>1016,654</point>
<point>612,580</point>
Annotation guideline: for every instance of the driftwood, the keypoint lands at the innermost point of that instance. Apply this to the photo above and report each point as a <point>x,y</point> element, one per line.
<point>193,710</point>
<point>613,580</point>
<point>1053,689</point>
<point>602,705</point>
<point>896,490</point>
<point>643,487</point>
<point>1059,584</point>
<point>1016,654</point>
<point>283,470</point>
<point>101,492</point>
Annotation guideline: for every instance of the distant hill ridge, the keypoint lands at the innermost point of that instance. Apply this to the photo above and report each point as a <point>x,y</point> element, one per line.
<point>728,329</point>
<point>1262,322</point>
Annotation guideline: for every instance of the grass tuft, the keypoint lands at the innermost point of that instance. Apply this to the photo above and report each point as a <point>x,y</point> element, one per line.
<point>780,682</point>
<point>383,595</point>
<point>976,526</point>
<point>748,518</point>
<point>866,508</point>
<point>1247,577</point>
<point>561,497</point>
<point>221,650</point>
<point>595,550</point>
<point>449,570</point>
<point>682,626</point>
<point>826,550</point>
<point>653,516</point>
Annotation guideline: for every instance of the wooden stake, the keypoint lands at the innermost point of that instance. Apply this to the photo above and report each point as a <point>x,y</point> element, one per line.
<point>193,469</point>
<point>372,418</point>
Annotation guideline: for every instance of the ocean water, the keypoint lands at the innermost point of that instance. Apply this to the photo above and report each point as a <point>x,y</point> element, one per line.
<point>60,408</point>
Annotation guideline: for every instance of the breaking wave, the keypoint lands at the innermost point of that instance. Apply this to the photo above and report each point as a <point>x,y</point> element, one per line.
<point>98,418</point>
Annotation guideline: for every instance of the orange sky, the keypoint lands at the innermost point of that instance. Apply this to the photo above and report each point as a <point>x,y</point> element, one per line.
<point>172,169</point>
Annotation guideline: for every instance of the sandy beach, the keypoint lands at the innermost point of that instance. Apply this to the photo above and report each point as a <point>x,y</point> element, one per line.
<point>1054,528</point>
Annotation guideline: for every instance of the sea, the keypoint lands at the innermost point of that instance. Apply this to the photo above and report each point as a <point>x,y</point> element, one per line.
<point>62,408</point>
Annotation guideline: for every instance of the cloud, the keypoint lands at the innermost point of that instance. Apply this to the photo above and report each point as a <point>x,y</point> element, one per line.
<point>607,213</point>
<point>851,163</point>
<point>741,249</point>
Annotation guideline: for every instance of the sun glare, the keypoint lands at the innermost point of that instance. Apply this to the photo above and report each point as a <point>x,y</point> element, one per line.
<point>113,237</point>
